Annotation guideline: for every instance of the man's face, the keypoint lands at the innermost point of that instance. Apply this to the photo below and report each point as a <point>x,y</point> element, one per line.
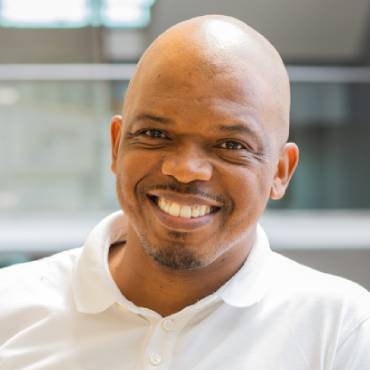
<point>195,158</point>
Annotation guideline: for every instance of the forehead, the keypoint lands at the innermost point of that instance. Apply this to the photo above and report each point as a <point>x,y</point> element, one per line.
<point>185,88</point>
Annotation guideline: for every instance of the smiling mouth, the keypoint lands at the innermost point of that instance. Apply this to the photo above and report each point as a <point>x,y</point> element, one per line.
<point>182,211</point>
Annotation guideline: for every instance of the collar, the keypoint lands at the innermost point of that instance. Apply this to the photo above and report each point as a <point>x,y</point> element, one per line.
<point>94,289</point>
<point>249,284</point>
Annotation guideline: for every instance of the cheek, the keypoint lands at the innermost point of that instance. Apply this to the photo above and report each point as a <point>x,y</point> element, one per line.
<point>134,165</point>
<point>132,168</point>
<point>124,196</point>
<point>126,178</point>
<point>249,185</point>
<point>249,189</point>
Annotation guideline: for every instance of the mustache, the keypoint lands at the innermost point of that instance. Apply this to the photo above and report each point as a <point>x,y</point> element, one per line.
<point>190,188</point>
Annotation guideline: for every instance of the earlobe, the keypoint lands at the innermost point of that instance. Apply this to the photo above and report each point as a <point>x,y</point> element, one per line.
<point>116,125</point>
<point>285,168</point>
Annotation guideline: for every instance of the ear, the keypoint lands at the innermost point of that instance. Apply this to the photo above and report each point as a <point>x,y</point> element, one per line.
<point>286,166</point>
<point>115,130</point>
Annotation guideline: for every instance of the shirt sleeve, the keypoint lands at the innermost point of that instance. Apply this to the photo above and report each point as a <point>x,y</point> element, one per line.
<point>354,352</point>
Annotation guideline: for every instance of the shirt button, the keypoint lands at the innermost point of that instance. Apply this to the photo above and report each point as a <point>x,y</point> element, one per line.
<point>155,359</point>
<point>168,324</point>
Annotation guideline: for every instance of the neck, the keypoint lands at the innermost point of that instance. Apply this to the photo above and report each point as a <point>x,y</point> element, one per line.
<point>166,291</point>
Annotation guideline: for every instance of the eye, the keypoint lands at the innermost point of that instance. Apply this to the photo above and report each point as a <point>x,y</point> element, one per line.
<point>154,133</point>
<point>231,145</point>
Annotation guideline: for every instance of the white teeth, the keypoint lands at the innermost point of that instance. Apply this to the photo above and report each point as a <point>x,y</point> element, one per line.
<point>161,203</point>
<point>167,206</point>
<point>185,212</point>
<point>203,210</point>
<point>175,209</point>
<point>195,211</point>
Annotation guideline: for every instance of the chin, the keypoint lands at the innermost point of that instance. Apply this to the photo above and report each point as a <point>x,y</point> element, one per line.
<point>176,254</point>
<point>179,260</point>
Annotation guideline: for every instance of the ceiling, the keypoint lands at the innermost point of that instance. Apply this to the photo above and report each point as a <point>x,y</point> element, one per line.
<point>303,31</point>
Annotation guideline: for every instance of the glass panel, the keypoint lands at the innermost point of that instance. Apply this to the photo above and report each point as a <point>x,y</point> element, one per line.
<point>135,13</point>
<point>56,153</point>
<point>75,13</point>
<point>44,12</point>
<point>331,125</point>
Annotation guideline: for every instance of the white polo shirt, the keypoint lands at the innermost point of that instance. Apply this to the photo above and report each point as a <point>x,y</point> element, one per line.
<point>65,312</point>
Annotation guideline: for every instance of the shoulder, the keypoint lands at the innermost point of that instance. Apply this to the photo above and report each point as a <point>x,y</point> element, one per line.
<point>36,281</point>
<point>321,294</point>
<point>32,292</point>
<point>310,284</point>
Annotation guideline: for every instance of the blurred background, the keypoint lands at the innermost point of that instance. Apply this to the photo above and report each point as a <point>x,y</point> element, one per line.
<point>65,65</point>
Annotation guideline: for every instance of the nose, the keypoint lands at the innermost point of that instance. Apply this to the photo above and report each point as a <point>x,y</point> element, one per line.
<point>187,165</point>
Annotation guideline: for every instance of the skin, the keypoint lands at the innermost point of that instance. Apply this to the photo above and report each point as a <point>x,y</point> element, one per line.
<point>206,114</point>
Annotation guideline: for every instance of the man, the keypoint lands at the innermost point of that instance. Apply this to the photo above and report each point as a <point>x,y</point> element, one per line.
<point>188,281</point>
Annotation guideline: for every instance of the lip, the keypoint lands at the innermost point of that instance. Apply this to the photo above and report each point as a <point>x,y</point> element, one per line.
<point>184,199</point>
<point>181,223</point>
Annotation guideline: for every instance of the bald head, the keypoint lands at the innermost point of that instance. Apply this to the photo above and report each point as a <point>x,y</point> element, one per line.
<point>220,49</point>
<point>219,40</point>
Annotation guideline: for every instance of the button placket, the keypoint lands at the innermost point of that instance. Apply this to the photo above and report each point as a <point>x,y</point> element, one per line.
<point>160,344</point>
<point>168,324</point>
<point>155,359</point>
